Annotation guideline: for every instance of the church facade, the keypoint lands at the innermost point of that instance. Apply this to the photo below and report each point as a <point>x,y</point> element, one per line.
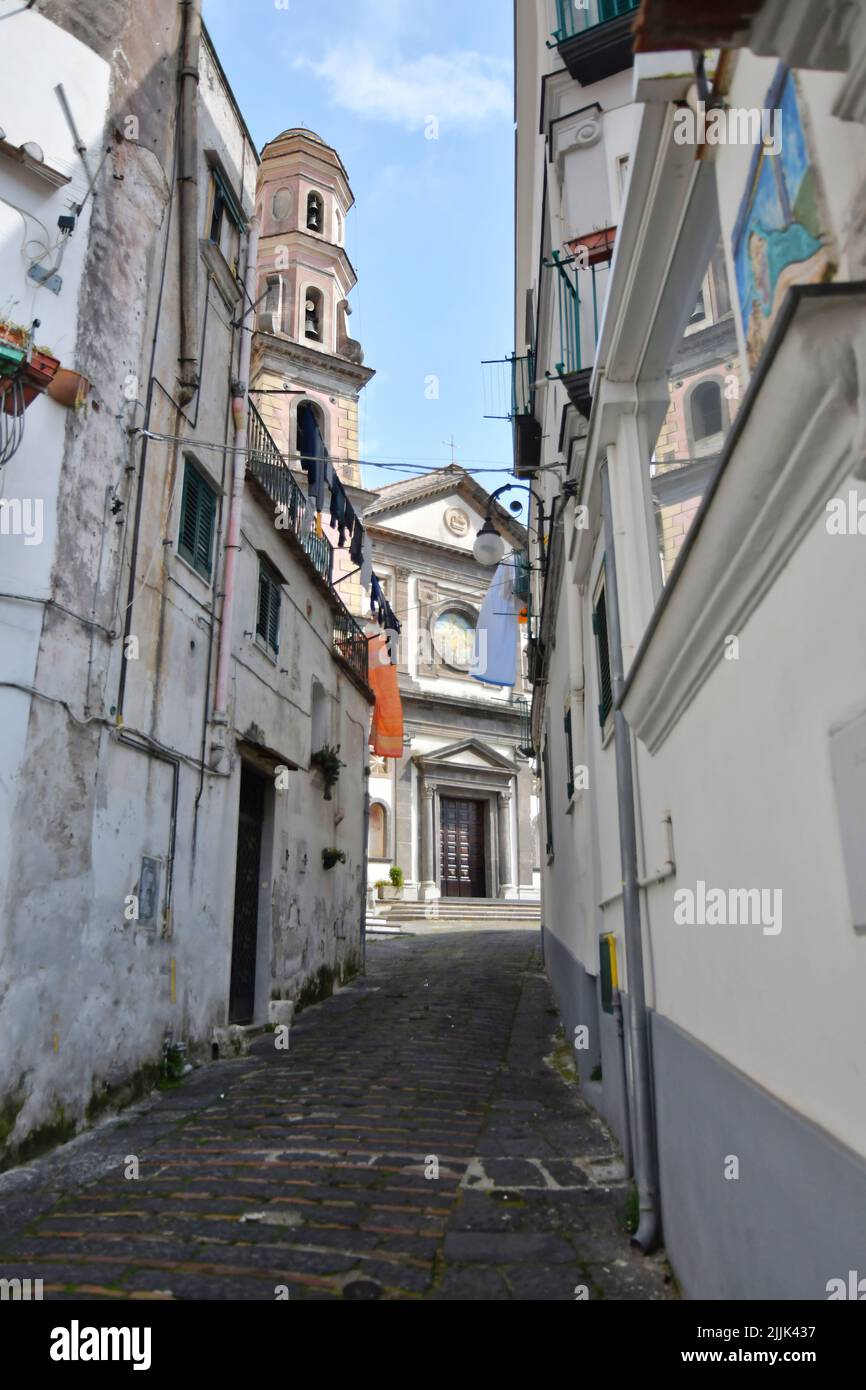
<point>458,812</point>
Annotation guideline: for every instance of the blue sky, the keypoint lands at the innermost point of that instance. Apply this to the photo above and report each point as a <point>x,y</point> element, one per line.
<point>431,233</point>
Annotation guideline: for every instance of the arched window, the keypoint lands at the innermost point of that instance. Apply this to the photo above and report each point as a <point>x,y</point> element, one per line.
<point>315,212</point>
<point>378,838</point>
<point>313,307</point>
<point>272,312</point>
<point>319,716</point>
<point>310,418</point>
<point>338,227</point>
<point>706,408</point>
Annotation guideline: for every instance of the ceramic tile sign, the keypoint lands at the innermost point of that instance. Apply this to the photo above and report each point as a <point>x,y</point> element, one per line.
<point>782,236</point>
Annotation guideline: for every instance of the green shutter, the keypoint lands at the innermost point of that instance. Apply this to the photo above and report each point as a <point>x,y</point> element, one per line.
<point>268,621</point>
<point>605,687</point>
<point>197,517</point>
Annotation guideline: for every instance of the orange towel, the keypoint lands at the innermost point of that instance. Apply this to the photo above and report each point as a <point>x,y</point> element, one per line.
<point>386,735</point>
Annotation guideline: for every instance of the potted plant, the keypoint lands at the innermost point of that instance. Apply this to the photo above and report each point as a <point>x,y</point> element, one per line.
<point>34,367</point>
<point>70,389</point>
<point>333,856</point>
<point>327,760</point>
<point>391,891</point>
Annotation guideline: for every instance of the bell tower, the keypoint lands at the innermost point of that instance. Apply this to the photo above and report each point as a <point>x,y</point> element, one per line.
<point>302,339</point>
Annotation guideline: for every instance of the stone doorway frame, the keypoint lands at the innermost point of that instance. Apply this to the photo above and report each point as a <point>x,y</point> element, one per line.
<point>440,775</point>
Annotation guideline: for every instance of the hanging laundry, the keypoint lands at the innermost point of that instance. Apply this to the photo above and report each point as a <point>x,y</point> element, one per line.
<point>377,597</point>
<point>386,733</point>
<point>356,549</point>
<point>350,518</point>
<point>339,501</point>
<point>497,629</point>
<point>366,561</point>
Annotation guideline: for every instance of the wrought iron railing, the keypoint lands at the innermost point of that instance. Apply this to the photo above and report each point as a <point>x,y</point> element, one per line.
<point>522,384</point>
<point>524,709</point>
<point>350,641</point>
<point>297,515</point>
<point>574,16</point>
<point>568,309</point>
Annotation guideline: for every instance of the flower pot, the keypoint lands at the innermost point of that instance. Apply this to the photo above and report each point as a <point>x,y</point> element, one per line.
<point>69,388</point>
<point>40,371</point>
<point>35,376</point>
<point>390,894</point>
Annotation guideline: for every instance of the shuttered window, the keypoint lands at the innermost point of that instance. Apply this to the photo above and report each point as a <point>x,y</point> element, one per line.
<point>197,521</point>
<point>569,758</point>
<point>548,809</point>
<point>268,621</point>
<point>605,689</point>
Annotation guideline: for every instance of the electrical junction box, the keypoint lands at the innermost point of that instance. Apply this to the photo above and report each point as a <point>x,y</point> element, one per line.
<point>607,970</point>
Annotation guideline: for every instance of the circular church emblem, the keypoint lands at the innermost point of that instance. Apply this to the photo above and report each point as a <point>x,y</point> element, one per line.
<point>457,521</point>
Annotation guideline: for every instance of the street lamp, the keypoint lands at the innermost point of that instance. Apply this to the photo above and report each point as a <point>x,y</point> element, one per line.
<point>489,546</point>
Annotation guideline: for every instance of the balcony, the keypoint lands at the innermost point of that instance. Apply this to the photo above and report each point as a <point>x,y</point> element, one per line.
<point>525,746</point>
<point>594,37</point>
<point>350,641</point>
<point>269,468</point>
<point>509,394</point>
<point>576,322</point>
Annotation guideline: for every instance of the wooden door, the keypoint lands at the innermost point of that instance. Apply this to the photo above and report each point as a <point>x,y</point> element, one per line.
<point>462,872</point>
<point>242,991</point>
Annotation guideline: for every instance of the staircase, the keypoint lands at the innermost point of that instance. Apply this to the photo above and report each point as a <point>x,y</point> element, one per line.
<point>462,912</point>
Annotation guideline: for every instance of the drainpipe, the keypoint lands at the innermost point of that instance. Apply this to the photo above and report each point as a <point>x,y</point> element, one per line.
<point>240,412</point>
<point>647,1235</point>
<point>188,181</point>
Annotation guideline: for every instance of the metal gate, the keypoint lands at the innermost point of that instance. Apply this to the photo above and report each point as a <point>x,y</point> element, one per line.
<point>251,814</point>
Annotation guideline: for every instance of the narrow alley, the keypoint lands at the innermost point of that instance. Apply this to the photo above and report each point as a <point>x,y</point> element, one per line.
<point>302,1173</point>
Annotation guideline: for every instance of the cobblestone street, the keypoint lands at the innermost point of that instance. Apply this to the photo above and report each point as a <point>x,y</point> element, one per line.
<point>304,1170</point>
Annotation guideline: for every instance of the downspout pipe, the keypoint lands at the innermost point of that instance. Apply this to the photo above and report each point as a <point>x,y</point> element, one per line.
<point>646,1237</point>
<point>188,181</point>
<point>240,411</point>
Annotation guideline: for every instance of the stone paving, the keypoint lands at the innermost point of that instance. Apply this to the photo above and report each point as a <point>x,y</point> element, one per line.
<point>304,1173</point>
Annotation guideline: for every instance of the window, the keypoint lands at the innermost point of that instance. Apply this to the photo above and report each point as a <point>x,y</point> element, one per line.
<point>545,778</point>
<point>454,638</point>
<point>197,521</point>
<point>569,757</point>
<point>315,213</point>
<point>226,218</point>
<point>268,620</point>
<point>605,686</point>
<point>699,313</point>
<point>378,840</point>
<point>313,314</point>
<point>706,408</point>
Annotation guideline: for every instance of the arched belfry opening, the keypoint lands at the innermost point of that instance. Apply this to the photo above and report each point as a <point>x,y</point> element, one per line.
<point>315,213</point>
<point>314,302</point>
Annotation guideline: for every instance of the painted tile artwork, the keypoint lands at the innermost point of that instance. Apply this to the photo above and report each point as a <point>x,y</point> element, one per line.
<point>781,237</point>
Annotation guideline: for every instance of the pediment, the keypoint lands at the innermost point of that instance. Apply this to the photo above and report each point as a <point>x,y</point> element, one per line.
<point>470,752</point>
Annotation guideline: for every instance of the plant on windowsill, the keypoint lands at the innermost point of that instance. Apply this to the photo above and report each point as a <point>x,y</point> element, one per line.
<point>333,856</point>
<point>327,760</point>
<point>392,891</point>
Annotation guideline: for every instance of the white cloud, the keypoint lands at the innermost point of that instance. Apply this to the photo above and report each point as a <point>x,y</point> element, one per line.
<point>459,89</point>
